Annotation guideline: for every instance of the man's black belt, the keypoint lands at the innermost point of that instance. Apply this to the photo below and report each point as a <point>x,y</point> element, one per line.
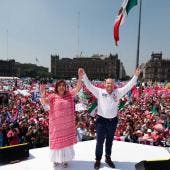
<point>107,118</point>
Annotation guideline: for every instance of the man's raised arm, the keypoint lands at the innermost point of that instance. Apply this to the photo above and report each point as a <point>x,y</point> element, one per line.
<point>94,90</point>
<point>122,91</point>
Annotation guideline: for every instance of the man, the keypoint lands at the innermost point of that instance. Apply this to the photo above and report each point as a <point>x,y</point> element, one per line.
<point>107,119</point>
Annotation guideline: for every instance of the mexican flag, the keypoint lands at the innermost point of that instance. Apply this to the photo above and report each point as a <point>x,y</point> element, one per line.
<point>83,97</point>
<point>88,101</point>
<point>93,108</point>
<point>126,6</point>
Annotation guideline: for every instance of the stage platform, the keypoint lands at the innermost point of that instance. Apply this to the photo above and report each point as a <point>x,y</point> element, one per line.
<point>125,156</point>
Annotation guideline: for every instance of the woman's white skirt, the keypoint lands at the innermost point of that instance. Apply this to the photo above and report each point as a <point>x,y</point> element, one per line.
<point>62,155</point>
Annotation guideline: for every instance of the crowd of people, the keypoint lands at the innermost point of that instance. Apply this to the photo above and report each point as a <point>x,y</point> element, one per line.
<point>144,115</point>
<point>22,117</point>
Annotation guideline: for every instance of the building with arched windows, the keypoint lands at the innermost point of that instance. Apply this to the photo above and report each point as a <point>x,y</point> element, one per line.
<point>157,68</point>
<point>97,67</point>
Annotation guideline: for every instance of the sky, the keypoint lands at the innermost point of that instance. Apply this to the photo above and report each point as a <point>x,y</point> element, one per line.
<point>31,29</point>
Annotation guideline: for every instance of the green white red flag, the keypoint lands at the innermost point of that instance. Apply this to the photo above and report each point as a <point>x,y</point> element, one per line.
<point>126,6</point>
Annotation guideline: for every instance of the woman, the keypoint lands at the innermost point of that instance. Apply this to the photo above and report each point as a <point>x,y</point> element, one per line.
<point>62,130</point>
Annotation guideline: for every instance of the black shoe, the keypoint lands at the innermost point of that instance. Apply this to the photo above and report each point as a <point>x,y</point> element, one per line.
<point>97,164</point>
<point>109,162</point>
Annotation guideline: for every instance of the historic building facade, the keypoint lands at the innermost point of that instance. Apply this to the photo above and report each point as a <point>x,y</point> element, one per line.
<point>10,68</point>
<point>97,67</point>
<point>7,68</point>
<point>157,69</point>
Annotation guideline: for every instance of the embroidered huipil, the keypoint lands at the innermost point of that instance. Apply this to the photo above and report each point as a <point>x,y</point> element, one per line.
<point>62,131</point>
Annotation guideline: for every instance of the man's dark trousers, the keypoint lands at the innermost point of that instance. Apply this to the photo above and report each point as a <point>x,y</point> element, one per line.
<point>105,129</point>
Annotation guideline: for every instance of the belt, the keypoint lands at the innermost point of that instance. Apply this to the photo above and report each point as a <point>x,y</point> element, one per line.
<point>107,118</point>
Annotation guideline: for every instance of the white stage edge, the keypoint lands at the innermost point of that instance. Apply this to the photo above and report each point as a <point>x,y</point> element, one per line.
<point>125,155</point>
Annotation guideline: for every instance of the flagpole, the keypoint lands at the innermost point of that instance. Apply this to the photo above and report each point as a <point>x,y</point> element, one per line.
<point>78,32</point>
<point>7,44</point>
<point>139,25</point>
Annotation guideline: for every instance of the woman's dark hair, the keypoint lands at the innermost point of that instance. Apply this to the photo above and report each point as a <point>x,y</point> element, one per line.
<point>58,83</point>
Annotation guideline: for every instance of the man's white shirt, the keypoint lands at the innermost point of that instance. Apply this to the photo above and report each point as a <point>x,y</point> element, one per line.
<point>108,103</point>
